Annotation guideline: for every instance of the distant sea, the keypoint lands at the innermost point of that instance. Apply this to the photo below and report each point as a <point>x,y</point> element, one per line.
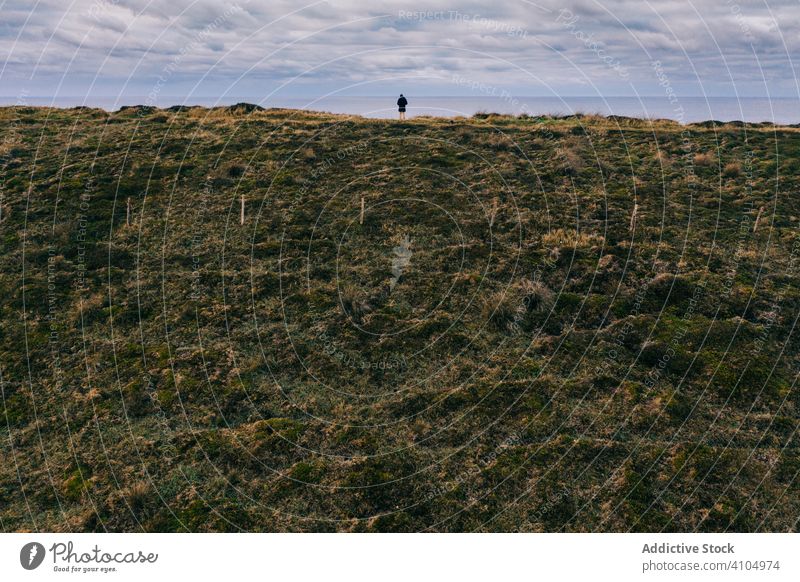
<point>692,109</point>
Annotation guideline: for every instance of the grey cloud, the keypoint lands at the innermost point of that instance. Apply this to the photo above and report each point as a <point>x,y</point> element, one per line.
<point>563,43</point>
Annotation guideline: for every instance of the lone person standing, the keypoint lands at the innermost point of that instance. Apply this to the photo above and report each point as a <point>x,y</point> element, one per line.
<point>401,107</point>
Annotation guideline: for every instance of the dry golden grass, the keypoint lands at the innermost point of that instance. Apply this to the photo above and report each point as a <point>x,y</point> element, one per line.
<point>560,237</point>
<point>704,159</point>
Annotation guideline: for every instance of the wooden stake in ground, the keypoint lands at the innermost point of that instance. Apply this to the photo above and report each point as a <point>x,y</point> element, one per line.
<point>128,212</point>
<point>361,218</point>
<point>241,219</point>
<point>633,216</point>
<point>494,213</point>
<point>758,218</point>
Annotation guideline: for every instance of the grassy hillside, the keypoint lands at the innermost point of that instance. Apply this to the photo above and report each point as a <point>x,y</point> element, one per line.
<point>542,324</point>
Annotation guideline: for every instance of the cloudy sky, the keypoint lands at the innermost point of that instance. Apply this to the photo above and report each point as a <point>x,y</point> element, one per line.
<point>173,50</point>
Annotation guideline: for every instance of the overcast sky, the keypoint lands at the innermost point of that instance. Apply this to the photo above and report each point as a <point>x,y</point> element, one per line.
<point>170,49</point>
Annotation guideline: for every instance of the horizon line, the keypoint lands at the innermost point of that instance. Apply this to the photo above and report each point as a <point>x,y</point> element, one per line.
<point>735,97</point>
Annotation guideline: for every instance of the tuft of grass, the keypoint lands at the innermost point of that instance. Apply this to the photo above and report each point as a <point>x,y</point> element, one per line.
<point>536,295</point>
<point>732,170</point>
<point>704,160</point>
<point>561,237</point>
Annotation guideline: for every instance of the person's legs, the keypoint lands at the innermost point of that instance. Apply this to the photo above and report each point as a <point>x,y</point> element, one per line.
<point>402,116</point>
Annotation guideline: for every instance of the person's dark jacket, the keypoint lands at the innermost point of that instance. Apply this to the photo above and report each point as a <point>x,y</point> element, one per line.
<point>402,102</point>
